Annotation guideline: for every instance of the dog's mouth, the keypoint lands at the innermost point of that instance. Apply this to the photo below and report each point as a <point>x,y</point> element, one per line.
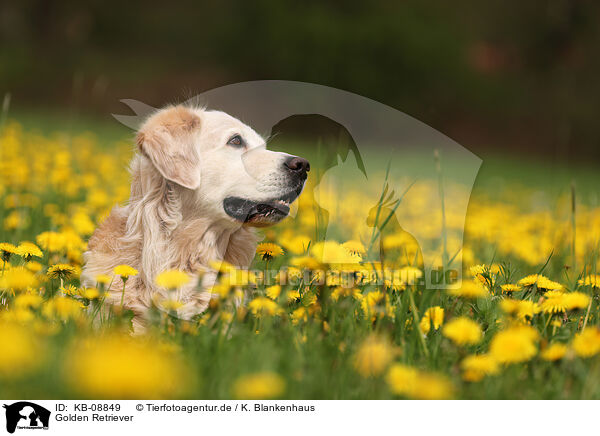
<point>263,212</point>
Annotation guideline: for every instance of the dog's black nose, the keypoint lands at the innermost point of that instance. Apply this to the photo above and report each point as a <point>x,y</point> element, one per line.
<point>297,164</point>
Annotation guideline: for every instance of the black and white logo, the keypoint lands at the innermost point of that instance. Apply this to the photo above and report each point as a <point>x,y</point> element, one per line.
<point>26,415</point>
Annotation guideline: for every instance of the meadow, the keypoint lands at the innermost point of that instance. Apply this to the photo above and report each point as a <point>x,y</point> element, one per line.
<point>523,325</point>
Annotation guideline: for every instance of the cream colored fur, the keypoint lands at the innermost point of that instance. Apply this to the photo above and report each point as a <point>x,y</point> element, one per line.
<point>174,218</point>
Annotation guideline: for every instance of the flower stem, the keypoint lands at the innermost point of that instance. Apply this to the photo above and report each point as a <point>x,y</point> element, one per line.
<point>123,292</point>
<point>413,307</point>
<point>587,314</point>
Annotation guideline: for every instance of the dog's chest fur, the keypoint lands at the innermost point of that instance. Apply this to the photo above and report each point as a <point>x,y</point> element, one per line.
<point>152,235</point>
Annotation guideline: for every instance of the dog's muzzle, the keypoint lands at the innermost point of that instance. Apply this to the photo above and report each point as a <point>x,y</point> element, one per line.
<point>267,212</point>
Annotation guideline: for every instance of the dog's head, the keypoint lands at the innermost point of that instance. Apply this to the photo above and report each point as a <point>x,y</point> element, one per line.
<point>223,163</point>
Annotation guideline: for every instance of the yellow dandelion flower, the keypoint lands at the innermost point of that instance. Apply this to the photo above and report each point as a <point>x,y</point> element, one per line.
<point>373,298</point>
<point>410,275</point>
<point>556,323</point>
<point>431,386</point>
<point>541,282</point>
<point>70,290</point>
<point>510,306</point>
<point>170,305</point>
<point>259,386</point>
<point>51,241</point>
<point>83,224</point>
<point>20,316</point>
<point>27,250</point>
<point>402,379</point>
<point>103,279</point>
<point>118,366</point>
<point>522,309</point>
<point>510,288</point>
<point>34,266</point>
<point>470,289</point>
<point>554,352</point>
<point>554,302</point>
<point>273,292</point>
<point>62,308</point>
<point>434,315</point>
<point>478,270</point>
<point>221,289</point>
<point>268,250</point>
<point>300,314</point>
<point>395,284</point>
<point>292,296</point>
<point>226,316</point>
<point>22,351</point>
<point>478,366</point>
<point>558,301</point>
<point>514,345</point>
<point>7,250</point>
<point>89,293</point>
<point>354,247</point>
<point>28,301</point>
<point>576,300</point>
<point>332,252</point>
<point>172,279</point>
<point>592,280</point>
<point>297,244</point>
<point>222,266</point>
<point>373,356</point>
<point>309,298</point>
<point>262,306</point>
<point>528,309</point>
<point>125,271</point>
<point>481,274</point>
<point>463,331</point>
<point>305,262</point>
<point>61,271</point>
<point>587,343</point>
<point>18,279</point>
<point>409,382</point>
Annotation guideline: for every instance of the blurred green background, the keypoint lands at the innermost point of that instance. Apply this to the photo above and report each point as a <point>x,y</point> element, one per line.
<point>495,76</point>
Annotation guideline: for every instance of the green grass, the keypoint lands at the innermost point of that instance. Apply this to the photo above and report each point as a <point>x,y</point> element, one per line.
<point>315,359</point>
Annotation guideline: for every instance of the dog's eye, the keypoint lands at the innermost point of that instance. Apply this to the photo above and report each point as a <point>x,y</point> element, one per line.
<point>236,141</point>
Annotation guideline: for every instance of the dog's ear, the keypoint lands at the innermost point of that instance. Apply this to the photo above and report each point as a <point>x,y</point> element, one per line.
<point>168,139</point>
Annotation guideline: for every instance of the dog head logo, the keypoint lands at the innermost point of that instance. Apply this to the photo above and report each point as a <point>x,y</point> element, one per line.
<point>340,212</point>
<point>26,415</point>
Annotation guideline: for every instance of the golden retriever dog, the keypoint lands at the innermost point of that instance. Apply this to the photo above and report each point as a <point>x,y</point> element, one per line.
<point>200,183</point>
